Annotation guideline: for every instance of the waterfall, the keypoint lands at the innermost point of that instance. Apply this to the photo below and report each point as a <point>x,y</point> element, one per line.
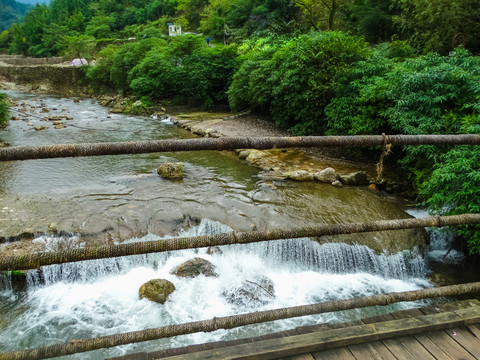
<point>88,299</point>
<point>301,254</point>
<point>440,249</point>
<point>5,282</point>
<point>341,258</point>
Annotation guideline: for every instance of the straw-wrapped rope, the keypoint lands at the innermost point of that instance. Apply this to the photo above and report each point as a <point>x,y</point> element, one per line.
<point>31,261</point>
<point>227,143</point>
<point>229,322</point>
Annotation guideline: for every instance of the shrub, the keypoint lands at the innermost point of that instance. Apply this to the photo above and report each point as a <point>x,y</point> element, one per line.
<point>187,70</point>
<point>431,94</point>
<point>296,80</point>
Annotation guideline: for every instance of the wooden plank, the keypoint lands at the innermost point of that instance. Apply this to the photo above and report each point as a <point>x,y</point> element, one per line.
<point>298,357</point>
<point>308,329</point>
<point>465,338</point>
<point>373,350</point>
<point>470,312</point>
<point>334,354</point>
<point>458,305</point>
<point>442,346</point>
<point>475,330</point>
<point>194,348</point>
<point>243,341</point>
<point>167,353</point>
<point>451,306</point>
<point>344,325</point>
<point>406,314</point>
<point>376,319</point>
<point>280,334</point>
<point>310,343</point>
<point>407,348</point>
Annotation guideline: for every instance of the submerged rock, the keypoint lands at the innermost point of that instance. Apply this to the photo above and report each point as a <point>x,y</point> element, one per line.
<point>259,291</point>
<point>171,170</point>
<point>156,290</point>
<point>195,267</point>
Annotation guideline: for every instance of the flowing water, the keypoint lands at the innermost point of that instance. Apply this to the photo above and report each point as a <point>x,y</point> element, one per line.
<point>124,198</point>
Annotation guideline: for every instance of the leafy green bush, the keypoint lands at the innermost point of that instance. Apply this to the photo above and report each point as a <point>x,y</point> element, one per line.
<point>156,76</point>
<point>127,57</point>
<point>295,80</point>
<point>187,69</point>
<point>98,76</point>
<point>3,109</point>
<point>454,188</point>
<point>430,94</point>
<point>249,89</point>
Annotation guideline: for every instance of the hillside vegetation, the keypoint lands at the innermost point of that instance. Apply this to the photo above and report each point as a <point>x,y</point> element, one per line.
<point>314,67</point>
<point>11,12</point>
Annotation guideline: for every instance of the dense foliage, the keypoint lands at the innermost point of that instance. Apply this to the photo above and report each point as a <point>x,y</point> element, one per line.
<point>182,70</point>
<point>294,80</point>
<point>3,109</point>
<point>11,12</point>
<point>431,94</point>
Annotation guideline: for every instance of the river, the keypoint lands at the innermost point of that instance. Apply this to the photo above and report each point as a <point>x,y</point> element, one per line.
<point>68,203</point>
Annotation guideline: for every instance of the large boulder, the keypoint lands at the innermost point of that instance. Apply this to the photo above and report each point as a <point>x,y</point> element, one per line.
<point>258,291</point>
<point>171,170</point>
<point>328,176</point>
<point>195,267</point>
<point>356,178</point>
<point>156,290</point>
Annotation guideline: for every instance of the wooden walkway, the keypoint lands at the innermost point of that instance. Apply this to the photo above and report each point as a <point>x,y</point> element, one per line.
<point>448,331</point>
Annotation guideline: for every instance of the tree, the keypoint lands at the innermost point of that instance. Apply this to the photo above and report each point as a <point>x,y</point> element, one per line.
<point>80,46</point>
<point>295,80</point>
<point>191,10</point>
<point>321,14</point>
<point>99,27</point>
<point>436,25</point>
<point>214,18</point>
<point>11,12</point>
<point>372,19</point>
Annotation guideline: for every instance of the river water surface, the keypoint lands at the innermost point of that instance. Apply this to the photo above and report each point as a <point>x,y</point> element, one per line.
<point>110,199</point>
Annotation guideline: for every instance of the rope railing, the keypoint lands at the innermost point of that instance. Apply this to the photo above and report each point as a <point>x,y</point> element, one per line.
<point>35,260</point>
<point>230,322</point>
<point>227,143</point>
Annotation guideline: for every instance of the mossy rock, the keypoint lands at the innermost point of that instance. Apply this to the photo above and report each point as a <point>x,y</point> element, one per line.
<point>171,170</point>
<point>195,267</point>
<point>156,290</point>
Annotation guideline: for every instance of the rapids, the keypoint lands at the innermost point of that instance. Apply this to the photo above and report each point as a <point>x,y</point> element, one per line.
<point>123,197</point>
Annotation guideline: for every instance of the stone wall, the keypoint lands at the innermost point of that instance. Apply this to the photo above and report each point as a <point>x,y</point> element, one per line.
<point>57,79</point>
<point>25,61</point>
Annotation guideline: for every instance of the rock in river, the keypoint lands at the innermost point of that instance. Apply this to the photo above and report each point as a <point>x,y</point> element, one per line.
<point>327,175</point>
<point>171,170</point>
<point>196,266</point>
<point>156,290</point>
